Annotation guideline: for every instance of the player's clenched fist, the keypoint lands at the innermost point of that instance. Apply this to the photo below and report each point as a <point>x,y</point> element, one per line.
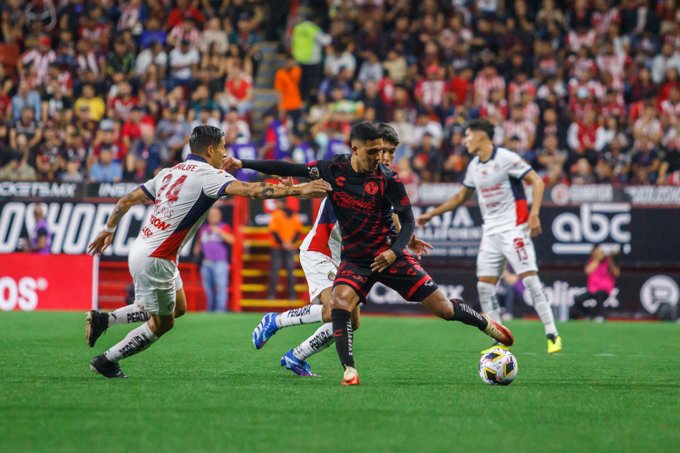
<point>231,164</point>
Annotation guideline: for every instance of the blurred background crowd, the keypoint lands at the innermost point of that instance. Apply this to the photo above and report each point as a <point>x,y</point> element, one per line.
<point>586,91</point>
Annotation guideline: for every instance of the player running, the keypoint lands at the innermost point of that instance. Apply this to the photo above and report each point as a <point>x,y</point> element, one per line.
<point>320,258</point>
<point>182,196</point>
<point>497,175</point>
<point>364,192</point>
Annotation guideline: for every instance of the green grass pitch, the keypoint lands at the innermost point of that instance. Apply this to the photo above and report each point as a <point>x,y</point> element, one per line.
<point>203,387</point>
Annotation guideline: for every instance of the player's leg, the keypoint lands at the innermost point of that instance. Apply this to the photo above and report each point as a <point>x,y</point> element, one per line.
<point>319,271</point>
<point>414,284</point>
<point>600,297</point>
<point>97,322</point>
<point>343,302</point>
<point>296,359</point>
<point>156,293</point>
<point>490,263</point>
<point>519,250</point>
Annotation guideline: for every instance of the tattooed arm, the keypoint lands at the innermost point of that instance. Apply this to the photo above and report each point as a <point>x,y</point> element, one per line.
<point>262,190</point>
<point>105,237</point>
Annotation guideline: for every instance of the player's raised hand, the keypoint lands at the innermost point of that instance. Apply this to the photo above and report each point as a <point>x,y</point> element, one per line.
<point>534,226</point>
<point>100,243</point>
<point>423,219</point>
<point>231,164</point>
<point>419,247</point>
<point>383,261</point>
<point>315,189</point>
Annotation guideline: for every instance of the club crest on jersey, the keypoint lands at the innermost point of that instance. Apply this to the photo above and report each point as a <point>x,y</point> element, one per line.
<point>371,187</point>
<point>314,172</point>
<point>331,275</point>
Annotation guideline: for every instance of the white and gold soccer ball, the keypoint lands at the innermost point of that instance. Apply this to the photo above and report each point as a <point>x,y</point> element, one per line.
<point>498,367</point>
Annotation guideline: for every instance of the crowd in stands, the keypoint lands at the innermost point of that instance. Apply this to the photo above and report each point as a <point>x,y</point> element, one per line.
<point>587,91</point>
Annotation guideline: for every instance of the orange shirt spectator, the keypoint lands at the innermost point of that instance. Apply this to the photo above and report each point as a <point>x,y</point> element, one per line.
<point>285,226</point>
<point>286,82</point>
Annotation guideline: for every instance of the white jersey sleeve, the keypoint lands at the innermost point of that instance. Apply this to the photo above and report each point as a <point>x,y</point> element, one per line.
<point>152,185</point>
<point>215,182</point>
<point>469,181</point>
<point>517,167</point>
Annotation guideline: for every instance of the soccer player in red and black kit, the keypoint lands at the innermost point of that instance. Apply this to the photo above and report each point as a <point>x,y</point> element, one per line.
<point>363,196</point>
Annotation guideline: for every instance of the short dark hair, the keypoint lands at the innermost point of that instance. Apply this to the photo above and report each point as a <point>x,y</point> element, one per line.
<point>388,133</point>
<point>204,136</point>
<point>483,125</point>
<point>364,132</point>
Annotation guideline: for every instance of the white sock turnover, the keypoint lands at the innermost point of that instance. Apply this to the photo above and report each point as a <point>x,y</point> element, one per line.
<point>137,340</point>
<point>308,314</point>
<point>320,340</point>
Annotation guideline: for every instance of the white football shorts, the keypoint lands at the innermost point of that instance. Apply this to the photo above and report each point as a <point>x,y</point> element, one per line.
<point>514,246</point>
<point>319,271</point>
<point>156,284</point>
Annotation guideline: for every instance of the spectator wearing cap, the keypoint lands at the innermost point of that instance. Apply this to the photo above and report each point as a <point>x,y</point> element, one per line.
<point>183,64</point>
<point>105,169</point>
<point>40,57</point>
<point>307,43</point>
<point>108,137</point>
<point>287,84</point>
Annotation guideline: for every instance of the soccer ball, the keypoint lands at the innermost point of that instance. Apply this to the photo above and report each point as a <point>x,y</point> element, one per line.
<point>498,367</point>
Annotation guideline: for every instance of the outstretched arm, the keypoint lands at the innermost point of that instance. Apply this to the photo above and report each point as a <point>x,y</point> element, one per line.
<point>268,167</point>
<point>262,190</point>
<point>105,237</point>
<point>452,203</point>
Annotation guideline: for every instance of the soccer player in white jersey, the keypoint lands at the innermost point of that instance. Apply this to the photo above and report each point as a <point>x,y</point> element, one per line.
<point>182,196</point>
<point>320,258</point>
<point>497,174</point>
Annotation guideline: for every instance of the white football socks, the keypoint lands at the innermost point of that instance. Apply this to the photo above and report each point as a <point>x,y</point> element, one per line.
<point>137,340</point>
<point>320,340</point>
<point>305,315</point>
<point>489,301</point>
<point>127,315</point>
<point>541,305</point>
